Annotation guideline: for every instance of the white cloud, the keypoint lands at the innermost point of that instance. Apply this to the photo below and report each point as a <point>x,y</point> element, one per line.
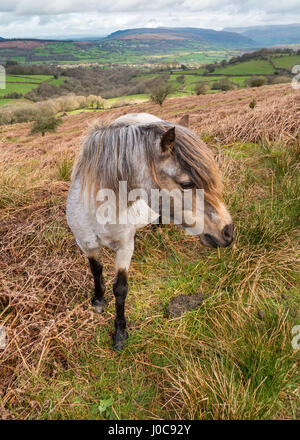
<point>33,18</point>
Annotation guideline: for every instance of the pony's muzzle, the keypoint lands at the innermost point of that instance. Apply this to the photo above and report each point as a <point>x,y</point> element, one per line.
<point>226,234</point>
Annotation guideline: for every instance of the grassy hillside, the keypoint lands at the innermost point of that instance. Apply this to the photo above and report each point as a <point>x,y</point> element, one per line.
<point>255,67</point>
<point>286,61</point>
<point>232,357</point>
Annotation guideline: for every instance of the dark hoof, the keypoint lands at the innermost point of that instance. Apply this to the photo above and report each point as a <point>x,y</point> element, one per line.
<point>98,305</point>
<point>120,339</point>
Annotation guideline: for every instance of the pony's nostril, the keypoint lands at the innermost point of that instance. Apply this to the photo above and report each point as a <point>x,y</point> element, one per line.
<point>227,233</point>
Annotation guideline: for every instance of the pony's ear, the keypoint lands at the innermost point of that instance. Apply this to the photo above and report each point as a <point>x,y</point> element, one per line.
<point>168,140</point>
<point>185,121</point>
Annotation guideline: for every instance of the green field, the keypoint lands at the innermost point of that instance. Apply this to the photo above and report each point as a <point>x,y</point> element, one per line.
<point>22,88</point>
<point>27,78</point>
<point>196,58</point>
<point>191,78</point>
<point>286,61</point>
<point>253,67</point>
<point>23,84</point>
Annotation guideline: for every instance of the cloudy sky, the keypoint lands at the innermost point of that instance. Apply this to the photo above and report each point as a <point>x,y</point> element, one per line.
<point>70,18</point>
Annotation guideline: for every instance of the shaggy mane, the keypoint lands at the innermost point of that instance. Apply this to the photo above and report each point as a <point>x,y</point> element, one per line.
<point>115,151</point>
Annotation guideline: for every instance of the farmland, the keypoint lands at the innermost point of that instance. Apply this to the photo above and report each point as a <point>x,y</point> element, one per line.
<point>231,358</point>
<point>182,87</point>
<point>115,53</point>
<point>133,81</point>
<point>186,85</point>
<point>133,46</point>
<point>286,61</point>
<point>255,67</point>
<point>23,84</point>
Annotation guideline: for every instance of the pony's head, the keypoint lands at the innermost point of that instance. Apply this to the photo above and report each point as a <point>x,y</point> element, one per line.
<point>186,163</point>
<point>149,153</point>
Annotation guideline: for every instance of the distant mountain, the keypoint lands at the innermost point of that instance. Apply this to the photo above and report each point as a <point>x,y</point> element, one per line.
<point>270,35</point>
<point>181,36</point>
<point>1,39</point>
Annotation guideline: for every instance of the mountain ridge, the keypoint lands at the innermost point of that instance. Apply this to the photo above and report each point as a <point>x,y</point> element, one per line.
<point>208,36</point>
<point>270,35</point>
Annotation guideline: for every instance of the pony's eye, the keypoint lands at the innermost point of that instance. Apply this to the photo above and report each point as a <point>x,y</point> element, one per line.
<point>186,185</point>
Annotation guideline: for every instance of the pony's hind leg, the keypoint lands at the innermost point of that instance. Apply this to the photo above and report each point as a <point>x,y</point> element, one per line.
<point>98,300</point>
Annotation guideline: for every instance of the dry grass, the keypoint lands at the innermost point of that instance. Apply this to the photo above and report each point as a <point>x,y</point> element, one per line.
<point>273,120</point>
<point>230,359</point>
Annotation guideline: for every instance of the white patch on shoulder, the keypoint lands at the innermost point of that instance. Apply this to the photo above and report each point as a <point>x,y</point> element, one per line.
<point>137,118</point>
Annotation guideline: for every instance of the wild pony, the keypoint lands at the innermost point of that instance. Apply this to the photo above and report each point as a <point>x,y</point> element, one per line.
<point>147,154</point>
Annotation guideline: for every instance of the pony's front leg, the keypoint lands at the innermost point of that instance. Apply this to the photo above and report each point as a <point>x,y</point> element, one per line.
<point>98,300</point>
<point>120,289</point>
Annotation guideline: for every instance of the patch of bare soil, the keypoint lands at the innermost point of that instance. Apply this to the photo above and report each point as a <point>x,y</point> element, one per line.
<point>183,303</point>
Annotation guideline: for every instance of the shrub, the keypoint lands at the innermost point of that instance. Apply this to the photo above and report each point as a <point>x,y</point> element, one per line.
<point>44,124</point>
<point>256,81</point>
<point>91,101</point>
<point>6,118</point>
<point>180,79</point>
<point>223,84</point>
<point>202,87</point>
<point>252,103</point>
<point>29,112</point>
<point>52,106</point>
<point>13,95</point>
<point>159,94</point>
<point>82,101</point>
<point>100,103</point>
<point>25,113</point>
<point>96,102</point>
<point>69,103</point>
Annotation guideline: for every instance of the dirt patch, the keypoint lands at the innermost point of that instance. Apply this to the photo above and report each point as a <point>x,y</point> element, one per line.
<point>182,303</point>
